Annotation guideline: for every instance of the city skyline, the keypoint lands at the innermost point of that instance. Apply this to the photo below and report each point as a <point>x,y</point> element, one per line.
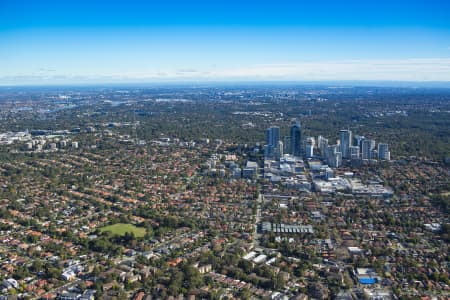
<point>218,192</point>
<point>288,150</point>
<point>51,42</point>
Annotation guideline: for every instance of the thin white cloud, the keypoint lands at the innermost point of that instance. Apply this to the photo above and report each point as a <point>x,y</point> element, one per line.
<point>433,69</point>
<point>423,69</point>
<point>187,71</point>
<point>404,70</point>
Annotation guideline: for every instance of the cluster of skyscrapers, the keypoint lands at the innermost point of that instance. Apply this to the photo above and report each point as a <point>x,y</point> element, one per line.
<point>292,144</point>
<point>352,148</point>
<point>349,147</point>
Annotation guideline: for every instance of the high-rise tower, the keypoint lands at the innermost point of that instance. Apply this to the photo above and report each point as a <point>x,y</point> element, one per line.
<point>272,142</point>
<point>309,149</point>
<point>383,151</point>
<point>273,136</point>
<point>346,140</point>
<point>368,146</point>
<point>296,139</point>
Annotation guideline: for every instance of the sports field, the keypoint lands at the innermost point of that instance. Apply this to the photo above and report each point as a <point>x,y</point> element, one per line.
<point>122,228</point>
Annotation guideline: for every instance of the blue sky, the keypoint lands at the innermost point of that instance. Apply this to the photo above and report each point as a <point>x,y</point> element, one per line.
<point>57,42</point>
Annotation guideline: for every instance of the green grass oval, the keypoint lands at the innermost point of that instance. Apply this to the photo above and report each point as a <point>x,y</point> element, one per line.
<point>122,228</point>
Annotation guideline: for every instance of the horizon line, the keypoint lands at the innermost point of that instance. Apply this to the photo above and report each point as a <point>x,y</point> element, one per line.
<point>343,83</point>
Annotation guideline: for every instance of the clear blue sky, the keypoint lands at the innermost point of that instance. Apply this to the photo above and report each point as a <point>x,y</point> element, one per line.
<point>45,42</point>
